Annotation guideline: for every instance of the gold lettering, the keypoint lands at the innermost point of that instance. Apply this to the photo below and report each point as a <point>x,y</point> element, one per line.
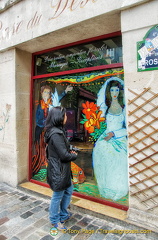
<point>34,21</point>
<point>60,7</point>
<point>73,6</point>
<point>16,27</point>
<point>5,33</point>
<point>19,26</point>
<point>83,3</point>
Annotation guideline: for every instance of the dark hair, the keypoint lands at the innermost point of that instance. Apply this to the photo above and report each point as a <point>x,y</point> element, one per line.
<point>55,117</point>
<point>108,98</point>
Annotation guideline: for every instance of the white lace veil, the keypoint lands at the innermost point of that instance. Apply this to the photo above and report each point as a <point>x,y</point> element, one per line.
<point>101,94</point>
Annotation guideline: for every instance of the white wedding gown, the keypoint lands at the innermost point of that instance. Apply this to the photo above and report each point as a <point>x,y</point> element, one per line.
<point>110,159</point>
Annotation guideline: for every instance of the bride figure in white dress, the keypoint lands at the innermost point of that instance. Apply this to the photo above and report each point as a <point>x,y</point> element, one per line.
<point>110,151</point>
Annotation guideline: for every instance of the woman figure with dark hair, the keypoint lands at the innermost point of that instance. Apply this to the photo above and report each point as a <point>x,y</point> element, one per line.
<point>110,151</point>
<point>59,166</point>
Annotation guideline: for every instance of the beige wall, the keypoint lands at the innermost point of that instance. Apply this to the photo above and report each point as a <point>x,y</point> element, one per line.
<point>7,118</point>
<point>94,19</point>
<point>15,69</point>
<point>35,18</point>
<point>23,84</point>
<point>135,23</point>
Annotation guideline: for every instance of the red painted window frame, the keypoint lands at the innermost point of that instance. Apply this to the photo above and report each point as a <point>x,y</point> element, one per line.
<point>33,77</point>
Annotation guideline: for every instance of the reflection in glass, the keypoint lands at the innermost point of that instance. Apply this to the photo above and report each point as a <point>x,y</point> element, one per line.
<point>97,53</point>
<point>78,93</point>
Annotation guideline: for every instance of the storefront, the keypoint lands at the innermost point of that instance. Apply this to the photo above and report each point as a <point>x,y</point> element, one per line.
<point>70,53</point>
<point>76,77</point>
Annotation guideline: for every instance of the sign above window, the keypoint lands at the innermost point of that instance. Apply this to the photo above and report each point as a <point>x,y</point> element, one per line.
<point>147,51</point>
<point>97,53</point>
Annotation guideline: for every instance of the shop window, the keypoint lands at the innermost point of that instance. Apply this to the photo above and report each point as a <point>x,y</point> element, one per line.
<point>95,105</point>
<point>98,53</point>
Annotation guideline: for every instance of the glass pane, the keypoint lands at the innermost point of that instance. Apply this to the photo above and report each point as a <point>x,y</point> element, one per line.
<point>97,53</point>
<point>94,108</point>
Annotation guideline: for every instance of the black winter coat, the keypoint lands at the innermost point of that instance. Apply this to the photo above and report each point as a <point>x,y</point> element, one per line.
<point>59,159</point>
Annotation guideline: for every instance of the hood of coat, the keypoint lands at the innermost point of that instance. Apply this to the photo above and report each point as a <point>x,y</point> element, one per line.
<point>51,131</point>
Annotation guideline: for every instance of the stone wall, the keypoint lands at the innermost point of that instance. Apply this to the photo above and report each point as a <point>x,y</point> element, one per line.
<point>32,19</point>
<point>7,118</point>
<point>142,96</point>
<point>23,90</point>
<point>27,33</point>
<point>15,68</point>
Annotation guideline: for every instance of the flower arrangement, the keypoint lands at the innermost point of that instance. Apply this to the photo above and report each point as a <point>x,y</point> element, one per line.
<point>92,120</point>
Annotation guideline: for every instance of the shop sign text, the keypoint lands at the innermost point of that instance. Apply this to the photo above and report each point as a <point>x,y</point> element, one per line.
<point>60,6</point>
<point>57,7</point>
<point>147,51</point>
<point>15,28</point>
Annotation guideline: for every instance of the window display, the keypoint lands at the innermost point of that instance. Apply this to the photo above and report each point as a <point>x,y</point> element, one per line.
<point>96,126</point>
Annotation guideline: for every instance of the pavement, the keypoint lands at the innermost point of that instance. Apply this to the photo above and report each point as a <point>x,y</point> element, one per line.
<point>24,215</point>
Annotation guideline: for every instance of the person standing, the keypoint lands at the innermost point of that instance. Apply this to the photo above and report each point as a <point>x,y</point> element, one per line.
<point>59,173</point>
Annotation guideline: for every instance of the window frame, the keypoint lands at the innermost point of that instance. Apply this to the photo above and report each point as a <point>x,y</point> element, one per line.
<point>34,77</point>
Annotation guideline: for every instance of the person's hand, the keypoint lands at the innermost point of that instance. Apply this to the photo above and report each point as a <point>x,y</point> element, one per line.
<point>109,136</point>
<point>68,89</point>
<point>74,152</point>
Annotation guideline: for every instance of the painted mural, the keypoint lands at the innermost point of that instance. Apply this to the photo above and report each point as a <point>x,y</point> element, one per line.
<point>96,126</point>
<point>48,99</point>
<point>110,150</point>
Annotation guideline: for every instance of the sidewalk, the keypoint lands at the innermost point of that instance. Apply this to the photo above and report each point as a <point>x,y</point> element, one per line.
<point>24,215</point>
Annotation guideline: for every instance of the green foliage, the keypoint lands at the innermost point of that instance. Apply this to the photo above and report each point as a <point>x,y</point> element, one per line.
<point>41,175</point>
<point>98,131</point>
<point>84,119</point>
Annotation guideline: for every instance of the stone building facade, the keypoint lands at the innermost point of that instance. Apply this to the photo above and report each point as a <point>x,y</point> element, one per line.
<point>27,27</point>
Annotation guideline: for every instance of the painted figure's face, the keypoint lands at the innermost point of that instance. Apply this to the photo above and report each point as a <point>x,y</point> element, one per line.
<point>114,92</point>
<point>46,94</point>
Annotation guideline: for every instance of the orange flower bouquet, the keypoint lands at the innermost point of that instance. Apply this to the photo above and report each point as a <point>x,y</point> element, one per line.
<point>92,120</point>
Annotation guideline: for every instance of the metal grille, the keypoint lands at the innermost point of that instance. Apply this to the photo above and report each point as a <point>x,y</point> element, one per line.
<point>143,148</point>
